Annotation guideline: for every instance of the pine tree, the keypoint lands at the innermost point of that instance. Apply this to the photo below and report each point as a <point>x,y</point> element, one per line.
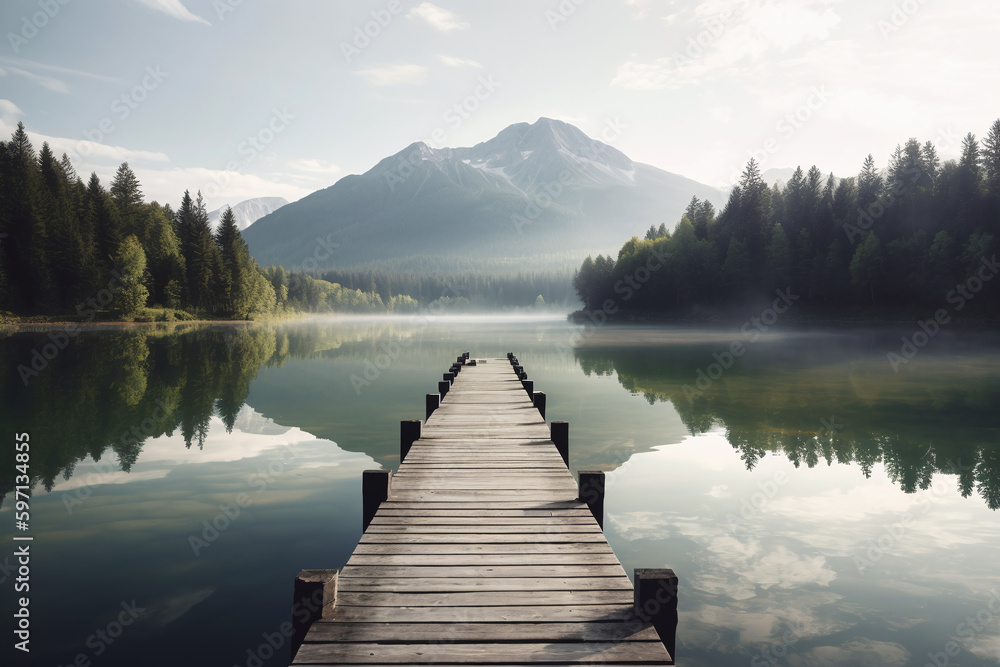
<point>24,247</point>
<point>866,265</point>
<point>201,256</point>
<point>165,262</point>
<point>779,258</point>
<point>870,184</point>
<point>107,225</point>
<point>991,159</point>
<point>68,251</point>
<point>127,195</point>
<point>235,279</point>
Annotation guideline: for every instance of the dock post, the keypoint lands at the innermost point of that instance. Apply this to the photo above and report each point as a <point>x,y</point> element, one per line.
<point>529,386</point>
<point>375,486</point>
<point>518,369</point>
<point>655,600</point>
<point>409,432</point>
<point>314,597</point>
<point>590,487</point>
<point>559,432</point>
<point>449,377</point>
<point>433,402</point>
<point>443,387</point>
<point>539,399</point>
<point>460,361</point>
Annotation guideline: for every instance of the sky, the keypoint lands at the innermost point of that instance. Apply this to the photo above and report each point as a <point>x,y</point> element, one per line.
<point>246,98</point>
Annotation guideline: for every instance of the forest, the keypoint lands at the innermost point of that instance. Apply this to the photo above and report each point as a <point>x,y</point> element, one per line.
<point>918,235</point>
<point>491,288</point>
<point>75,248</point>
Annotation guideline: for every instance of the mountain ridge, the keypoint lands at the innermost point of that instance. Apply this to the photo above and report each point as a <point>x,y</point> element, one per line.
<point>534,189</point>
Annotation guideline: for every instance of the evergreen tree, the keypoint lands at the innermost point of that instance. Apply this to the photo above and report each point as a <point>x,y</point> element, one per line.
<point>779,258</point>
<point>235,277</point>
<point>201,255</point>
<point>68,251</point>
<point>130,262</point>
<point>127,195</point>
<point>103,218</point>
<point>24,247</point>
<point>866,265</point>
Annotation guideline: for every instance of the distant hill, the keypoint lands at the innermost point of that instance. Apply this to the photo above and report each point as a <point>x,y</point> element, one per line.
<point>249,211</point>
<point>538,195</point>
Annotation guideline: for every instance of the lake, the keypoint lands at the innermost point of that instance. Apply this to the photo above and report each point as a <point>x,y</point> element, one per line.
<point>819,506</point>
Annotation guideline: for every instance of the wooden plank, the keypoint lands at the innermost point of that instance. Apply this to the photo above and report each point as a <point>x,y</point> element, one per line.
<point>480,632</point>
<point>481,598</point>
<point>430,512</point>
<point>451,548</point>
<point>501,505</point>
<point>488,496</point>
<point>450,561</point>
<point>459,584</point>
<point>482,529</point>
<point>527,614</point>
<point>500,653</point>
<point>482,571</point>
<point>496,538</point>
<point>448,520</point>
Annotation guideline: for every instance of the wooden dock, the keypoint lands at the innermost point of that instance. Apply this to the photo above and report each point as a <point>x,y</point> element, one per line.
<point>481,551</point>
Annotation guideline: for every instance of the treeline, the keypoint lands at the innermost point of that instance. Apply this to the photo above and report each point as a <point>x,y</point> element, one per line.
<point>772,405</point>
<point>69,246</point>
<point>920,233</point>
<point>303,292</point>
<point>483,289</point>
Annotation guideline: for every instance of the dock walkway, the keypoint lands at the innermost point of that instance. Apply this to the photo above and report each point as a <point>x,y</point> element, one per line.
<point>482,552</point>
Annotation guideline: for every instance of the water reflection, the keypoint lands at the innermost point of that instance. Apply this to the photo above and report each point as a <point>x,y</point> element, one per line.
<point>829,398</point>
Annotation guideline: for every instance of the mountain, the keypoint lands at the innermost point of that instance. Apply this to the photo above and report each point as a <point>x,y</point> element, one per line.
<point>779,176</point>
<point>249,211</point>
<point>536,195</point>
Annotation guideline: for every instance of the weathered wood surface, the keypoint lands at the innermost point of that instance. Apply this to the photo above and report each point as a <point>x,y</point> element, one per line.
<point>482,553</point>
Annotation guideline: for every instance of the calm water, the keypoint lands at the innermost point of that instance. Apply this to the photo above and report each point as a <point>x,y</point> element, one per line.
<point>819,508</point>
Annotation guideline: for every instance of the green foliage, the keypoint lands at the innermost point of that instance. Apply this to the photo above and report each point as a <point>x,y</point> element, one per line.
<point>909,235</point>
<point>866,265</point>
<point>131,294</point>
<point>62,241</point>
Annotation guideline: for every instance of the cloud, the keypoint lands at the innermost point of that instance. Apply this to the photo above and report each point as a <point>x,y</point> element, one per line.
<point>9,113</point>
<point>730,39</point>
<point>33,65</point>
<point>313,166</point>
<point>437,17</point>
<point>174,8</point>
<point>720,491</point>
<point>47,82</point>
<point>861,651</point>
<point>452,61</point>
<point>83,153</point>
<point>167,185</point>
<point>394,75</point>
